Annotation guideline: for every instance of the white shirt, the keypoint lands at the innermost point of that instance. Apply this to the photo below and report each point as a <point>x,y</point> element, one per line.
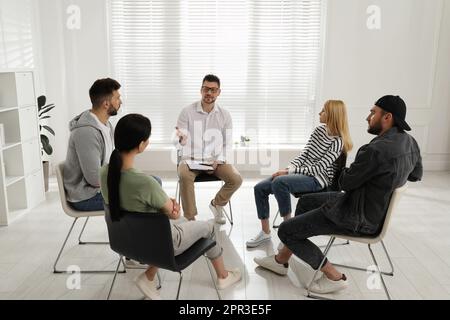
<point>209,134</point>
<point>106,132</point>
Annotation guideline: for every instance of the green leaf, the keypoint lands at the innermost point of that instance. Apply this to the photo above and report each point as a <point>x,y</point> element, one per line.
<point>48,149</point>
<point>44,140</point>
<point>46,109</point>
<point>41,102</point>
<point>46,144</point>
<point>49,129</point>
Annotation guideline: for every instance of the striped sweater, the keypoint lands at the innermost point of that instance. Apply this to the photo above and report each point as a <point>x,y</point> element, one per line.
<point>318,157</point>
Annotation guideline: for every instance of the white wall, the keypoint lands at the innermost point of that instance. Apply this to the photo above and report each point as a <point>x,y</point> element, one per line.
<point>407,56</point>
<point>73,59</point>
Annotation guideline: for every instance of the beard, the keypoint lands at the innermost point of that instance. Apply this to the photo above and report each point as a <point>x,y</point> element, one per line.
<point>375,129</point>
<point>112,111</point>
<point>211,100</point>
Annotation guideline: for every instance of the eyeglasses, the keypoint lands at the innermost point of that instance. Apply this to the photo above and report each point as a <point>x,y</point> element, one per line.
<point>207,89</point>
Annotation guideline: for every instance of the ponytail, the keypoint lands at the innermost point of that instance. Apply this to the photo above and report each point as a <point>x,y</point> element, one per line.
<point>113,182</point>
<point>131,130</point>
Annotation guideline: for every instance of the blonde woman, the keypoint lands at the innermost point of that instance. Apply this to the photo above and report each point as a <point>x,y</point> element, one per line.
<point>313,170</point>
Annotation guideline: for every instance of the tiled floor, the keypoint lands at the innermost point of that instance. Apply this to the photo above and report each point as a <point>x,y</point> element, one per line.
<point>418,241</point>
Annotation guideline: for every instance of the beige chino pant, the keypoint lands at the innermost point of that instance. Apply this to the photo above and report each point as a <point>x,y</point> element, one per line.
<point>225,172</point>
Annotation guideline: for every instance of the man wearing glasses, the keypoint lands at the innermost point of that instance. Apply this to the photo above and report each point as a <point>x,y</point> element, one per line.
<point>204,133</point>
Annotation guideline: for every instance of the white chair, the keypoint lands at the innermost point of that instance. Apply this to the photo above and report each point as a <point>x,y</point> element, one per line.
<point>76,215</point>
<point>395,199</point>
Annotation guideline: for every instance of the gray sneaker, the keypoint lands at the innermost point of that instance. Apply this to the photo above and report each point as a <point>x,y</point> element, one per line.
<point>260,238</point>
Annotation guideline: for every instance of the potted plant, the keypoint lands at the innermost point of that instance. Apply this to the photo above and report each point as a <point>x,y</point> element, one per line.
<point>46,147</point>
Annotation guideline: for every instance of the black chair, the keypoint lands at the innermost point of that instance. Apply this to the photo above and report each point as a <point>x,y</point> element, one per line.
<point>147,238</point>
<point>202,177</point>
<point>340,165</point>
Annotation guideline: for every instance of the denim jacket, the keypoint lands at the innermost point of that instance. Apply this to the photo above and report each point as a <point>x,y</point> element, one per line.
<point>380,167</point>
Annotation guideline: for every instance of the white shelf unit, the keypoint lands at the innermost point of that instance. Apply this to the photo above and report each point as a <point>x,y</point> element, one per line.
<point>21,175</point>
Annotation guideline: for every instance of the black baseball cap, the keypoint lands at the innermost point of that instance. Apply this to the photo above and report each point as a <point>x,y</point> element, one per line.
<point>396,106</point>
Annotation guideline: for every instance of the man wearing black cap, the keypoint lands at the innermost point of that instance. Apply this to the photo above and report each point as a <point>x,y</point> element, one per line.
<point>386,163</point>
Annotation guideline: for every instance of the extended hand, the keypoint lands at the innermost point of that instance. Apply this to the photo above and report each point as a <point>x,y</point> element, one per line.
<point>182,138</point>
<point>176,209</point>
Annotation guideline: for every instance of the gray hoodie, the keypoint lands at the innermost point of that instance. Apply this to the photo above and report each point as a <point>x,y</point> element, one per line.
<point>85,157</point>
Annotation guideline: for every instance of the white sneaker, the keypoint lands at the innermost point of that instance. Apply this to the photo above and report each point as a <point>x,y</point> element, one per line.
<point>304,272</point>
<point>147,287</point>
<point>269,263</point>
<point>133,264</point>
<point>218,212</point>
<point>234,276</point>
<point>260,238</point>
<point>324,285</point>
<point>280,246</point>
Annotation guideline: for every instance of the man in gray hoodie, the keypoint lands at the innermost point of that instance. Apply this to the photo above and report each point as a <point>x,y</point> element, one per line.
<point>90,146</point>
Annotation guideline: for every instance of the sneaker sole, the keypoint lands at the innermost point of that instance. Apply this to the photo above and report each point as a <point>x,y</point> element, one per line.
<point>254,245</point>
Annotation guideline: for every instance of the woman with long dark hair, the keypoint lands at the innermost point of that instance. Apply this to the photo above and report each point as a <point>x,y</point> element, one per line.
<point>126,188</point>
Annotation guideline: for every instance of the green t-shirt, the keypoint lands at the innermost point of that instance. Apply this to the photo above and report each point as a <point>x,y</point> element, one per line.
<point>138,191</point>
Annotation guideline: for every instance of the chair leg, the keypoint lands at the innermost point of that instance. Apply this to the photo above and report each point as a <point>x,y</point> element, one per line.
<point>88,242</point>
<point>308,291</point>
<point>386,273</point>
<point>62,248</point>
<point>229,218</point>
<point>379,273</point>
<point>212,278</point>
<point>178,192</point>
<point>179,284</point>
<point>391,273</point>
<point>55,270</point>
<point>114,279</point>
<point>159,280</point>
<point>275,226</point>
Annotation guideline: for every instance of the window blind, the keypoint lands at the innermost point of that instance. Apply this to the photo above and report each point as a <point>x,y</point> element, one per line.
<point>16,38</point>
<point>266,53</point>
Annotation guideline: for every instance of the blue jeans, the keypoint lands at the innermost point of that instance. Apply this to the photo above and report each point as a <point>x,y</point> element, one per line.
<point>93,204</point>
<point>282,187</point>
<point>96,202</point>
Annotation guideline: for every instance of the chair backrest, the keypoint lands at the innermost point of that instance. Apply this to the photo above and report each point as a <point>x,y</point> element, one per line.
<point>62,192</point>
<point>340,165</point>
<point>334,186</point>
<point>393,203</point>
<point>144,237</point>
<point>62,196</point>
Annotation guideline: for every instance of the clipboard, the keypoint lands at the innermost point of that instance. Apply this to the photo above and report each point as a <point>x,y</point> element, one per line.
<point>196,165</point>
